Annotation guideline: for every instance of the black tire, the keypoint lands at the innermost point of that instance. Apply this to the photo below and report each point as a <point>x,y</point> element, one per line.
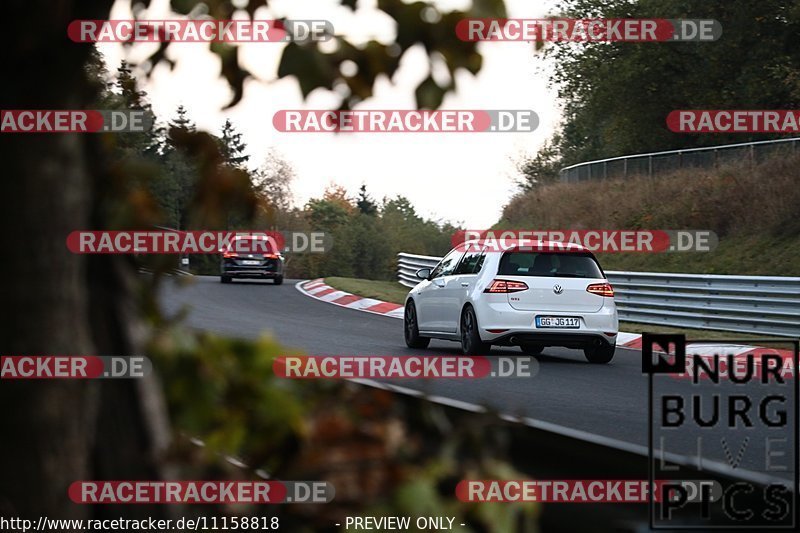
<point>600,355</point>
<point>278,280</point>
<point>531,348</point>
<point>411,328</point>
<point>225,279</point>
<point>471,343</point>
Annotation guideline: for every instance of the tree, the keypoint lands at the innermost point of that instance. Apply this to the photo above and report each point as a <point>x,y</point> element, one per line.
<point>182,120</point>
<point>332,210</point>
<point>617,95</point>
<point>175,191</point>
<point>540,169</point>
<point>128,88</point>
<point>232,146</point>
<point>56,183</point>
<point>365,204</point>
<point>273,181</point>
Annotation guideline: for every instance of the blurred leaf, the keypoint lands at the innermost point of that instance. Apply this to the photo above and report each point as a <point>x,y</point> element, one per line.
<point>253,5</point>
<point>488,9</point>
<point>183,6</point>
<point>371,59</point>
<point>429,95</point>
<point>308,65</point>
<point>231,70</point>
<point>416,24</point>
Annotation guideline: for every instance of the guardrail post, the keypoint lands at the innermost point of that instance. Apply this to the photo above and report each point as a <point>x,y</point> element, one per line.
<point>650,166</point>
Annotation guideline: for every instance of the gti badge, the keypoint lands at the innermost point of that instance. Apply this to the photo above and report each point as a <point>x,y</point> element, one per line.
<point>558,289</point>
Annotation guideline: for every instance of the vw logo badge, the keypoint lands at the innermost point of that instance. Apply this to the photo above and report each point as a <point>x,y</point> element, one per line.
<point>558,289</point>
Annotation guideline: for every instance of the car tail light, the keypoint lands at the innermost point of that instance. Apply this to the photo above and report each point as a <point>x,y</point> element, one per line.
<point>271,256</point>
<point>601,289</point>
<point>229,253</point>
<point>500,286</point>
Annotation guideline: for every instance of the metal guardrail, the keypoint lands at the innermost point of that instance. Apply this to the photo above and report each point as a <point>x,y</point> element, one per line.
<point>658,162</point>
<point>408,264</point>
<point>743,304</point>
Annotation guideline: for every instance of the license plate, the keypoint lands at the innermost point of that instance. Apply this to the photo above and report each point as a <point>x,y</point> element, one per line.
<point>251,262</point>
<point>558,322</point>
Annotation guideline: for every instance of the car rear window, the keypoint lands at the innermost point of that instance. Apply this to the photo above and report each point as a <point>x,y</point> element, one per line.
<point>251,245</point>
<point>550,264</point>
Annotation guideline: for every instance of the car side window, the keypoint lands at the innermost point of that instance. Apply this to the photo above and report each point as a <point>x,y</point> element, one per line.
<point>447,265</point>
<point>479,265</point>
<point>469,264</point>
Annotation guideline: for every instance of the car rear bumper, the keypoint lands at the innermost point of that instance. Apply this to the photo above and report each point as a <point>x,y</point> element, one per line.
<point>270,269</point>
<point>555,338</point>
<point>250,273</point>
<point>499,322</point>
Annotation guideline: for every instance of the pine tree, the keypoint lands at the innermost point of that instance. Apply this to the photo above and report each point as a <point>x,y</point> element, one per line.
<point>232,146</point>
<point>132,97</point>
<point>128,96</point>
<point>365,203</point>
<point>182,120</point>
<point>178,188</point>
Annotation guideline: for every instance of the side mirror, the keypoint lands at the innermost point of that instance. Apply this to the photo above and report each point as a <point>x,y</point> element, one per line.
<point>423,273</point>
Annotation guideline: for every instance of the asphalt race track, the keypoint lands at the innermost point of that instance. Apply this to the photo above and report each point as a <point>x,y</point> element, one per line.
<point>604,400</point>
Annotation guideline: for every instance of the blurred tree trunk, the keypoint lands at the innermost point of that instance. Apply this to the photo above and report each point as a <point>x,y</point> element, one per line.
<point>57,432</point>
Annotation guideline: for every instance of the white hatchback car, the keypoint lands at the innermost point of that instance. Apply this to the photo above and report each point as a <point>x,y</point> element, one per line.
<point>527,297</point>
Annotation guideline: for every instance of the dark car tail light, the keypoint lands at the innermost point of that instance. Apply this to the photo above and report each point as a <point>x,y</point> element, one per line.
<point>601,289</point>
<point>502,286</point>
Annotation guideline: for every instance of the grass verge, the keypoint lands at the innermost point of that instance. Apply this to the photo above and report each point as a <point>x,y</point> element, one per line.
<point>388,291</point>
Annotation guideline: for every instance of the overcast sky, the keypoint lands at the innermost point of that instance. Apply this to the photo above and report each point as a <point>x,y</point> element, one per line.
<point>463,178</point>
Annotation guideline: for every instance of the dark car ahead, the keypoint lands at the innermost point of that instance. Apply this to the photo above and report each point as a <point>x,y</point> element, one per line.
<point>246,258</point>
